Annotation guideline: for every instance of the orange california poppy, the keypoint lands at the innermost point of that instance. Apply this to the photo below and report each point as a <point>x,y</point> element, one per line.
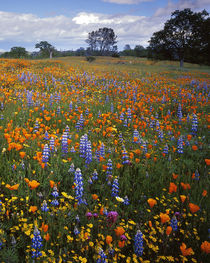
<point>94,196</point>
<point>183,198</point>
<point>207,161</point>
<point>22,154</point>
<point>47,237</point>
<point>151,202</point>
<point>33,209</point>
<point>108,240</point>
<point>44,227</point>
<point>119,231</point>
<point>186,251</point>
<point>193,208</point>
<point>33,184</point>
<point>172,188</point>
<point>12,187</point>
<point>168,230</point>
<point>121,244</point>
<point>204,193</point>
<point>194,147</point>
<point>164,218</point>
<point>205,247</point>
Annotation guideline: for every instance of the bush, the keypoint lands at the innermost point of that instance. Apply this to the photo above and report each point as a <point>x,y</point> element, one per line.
<point>115,55</point>
<point>90,58</point>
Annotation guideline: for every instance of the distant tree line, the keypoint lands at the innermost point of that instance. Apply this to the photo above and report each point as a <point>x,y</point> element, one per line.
<point>185,37</point>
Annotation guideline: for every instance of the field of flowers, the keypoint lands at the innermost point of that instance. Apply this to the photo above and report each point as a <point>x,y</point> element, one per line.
<point>102,167</point>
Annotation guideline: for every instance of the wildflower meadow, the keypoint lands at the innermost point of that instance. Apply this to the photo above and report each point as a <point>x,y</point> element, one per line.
<point>105,166</point>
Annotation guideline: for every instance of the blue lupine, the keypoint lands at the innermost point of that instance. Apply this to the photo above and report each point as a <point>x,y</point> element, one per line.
<point>44,207</point>
<point>122,116</point>
<point>138,244</point>
<point>67,129</point>
<point>144,145</point>
<point>126,201</point>
<point>55,194</point>
<point>71,169</point>
<point>136,135</point>
<point>36,126</point>
<point>197,175</point>
<point>160,134</point>
<point>102,257</point>
<point>52,144</point>
<point>81,121</point>
<point>88,154</point>
<point>125,158</point>
<point>125,124</point>
<point>165,149</point>
<point>76,231</point>
<point>23,165</point>
<point>174,223</point>
<point>45,154</point>
<point>70,106</point>
<point>95,175</point>
<point>152,123</point>
<point>109,169</point>
<point>115,187</point>
<point>29,99</point>
<point>78,181</point>
<point>179,112</point>
<point>194,128</point>
<point>180,145</point>
<point>157,125</point>
<point>64,143</point>
<point>83,145</point>
<point>36,244</point>
<point>121,137</point>
<point>72,150</point>
<point>46,136</point>
<point>102,150</point>
<point>58,110</point>
<point>77,126</point>
<point>112,108</point>
<point>129,115</point>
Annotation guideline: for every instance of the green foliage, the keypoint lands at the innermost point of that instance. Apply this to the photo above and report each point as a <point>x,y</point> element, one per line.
<point>46,48</point>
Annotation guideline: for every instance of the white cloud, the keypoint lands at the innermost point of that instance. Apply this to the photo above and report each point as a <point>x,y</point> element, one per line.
<point>127,2</point>
<point>66,33</point>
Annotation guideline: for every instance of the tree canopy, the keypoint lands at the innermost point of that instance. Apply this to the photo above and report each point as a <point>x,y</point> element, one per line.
<point>18,52</point>
<point>185,35</point>
<point>102,40</point>
<point>45,48</point>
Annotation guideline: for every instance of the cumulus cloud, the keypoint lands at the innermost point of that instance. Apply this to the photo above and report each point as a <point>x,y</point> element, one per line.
<point>126,2</point>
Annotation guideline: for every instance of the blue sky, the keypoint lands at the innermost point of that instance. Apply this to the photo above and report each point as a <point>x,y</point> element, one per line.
<point>66,23</point>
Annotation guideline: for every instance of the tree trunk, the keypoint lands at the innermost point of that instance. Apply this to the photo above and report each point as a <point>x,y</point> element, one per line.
<point>181,63</point>
<point>51,54</point>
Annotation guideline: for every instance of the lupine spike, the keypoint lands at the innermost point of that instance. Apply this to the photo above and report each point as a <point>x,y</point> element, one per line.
<point>138,244</point>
